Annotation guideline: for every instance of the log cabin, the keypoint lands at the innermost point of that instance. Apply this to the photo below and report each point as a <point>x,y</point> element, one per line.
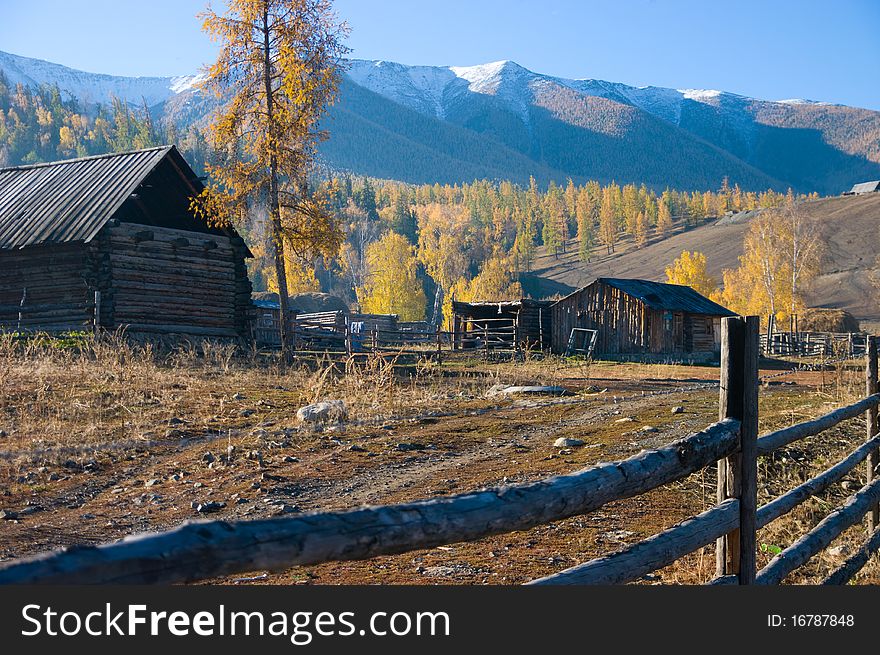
<point>638,319</point>
<point>111,242</point>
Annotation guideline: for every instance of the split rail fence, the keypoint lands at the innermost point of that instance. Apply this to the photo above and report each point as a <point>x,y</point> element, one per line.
<point>203,550</point>
<point>815,344</point>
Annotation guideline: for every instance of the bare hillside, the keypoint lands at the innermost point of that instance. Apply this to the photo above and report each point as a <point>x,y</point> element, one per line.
<point>851,230</point>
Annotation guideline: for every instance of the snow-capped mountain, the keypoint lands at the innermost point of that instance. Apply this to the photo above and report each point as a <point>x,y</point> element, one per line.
<point>501,120</point>
<point>94,87</point>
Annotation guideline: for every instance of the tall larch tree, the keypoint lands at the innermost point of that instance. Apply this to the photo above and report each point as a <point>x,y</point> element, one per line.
<point>586,210</point>
<point>277,71</point>
<point>608,220</point>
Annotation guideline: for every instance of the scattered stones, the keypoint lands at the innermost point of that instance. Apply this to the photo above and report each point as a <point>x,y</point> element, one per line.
<point>3,434</point>
<point>322,412</point>
<point>239,396</point>
<point>290,459</point>
<point>678,410</point>
<point>87,517</point>
<point>451,571</point>
<point>175,421</point>
<point>287,509</point>
<point>230,451</point>
<point>152,483</point>
<point>208,508</point>
<point>245,413</point>
<point>208,458</point>
<point>8,515</point>
<point>406,447</point>
<point>357,449</point>
<point>626,419</point>
<point>618,535</point>
<point>649,428</point>
<point>839,551</point>
<point>567,442</point>
<point>198,485</point>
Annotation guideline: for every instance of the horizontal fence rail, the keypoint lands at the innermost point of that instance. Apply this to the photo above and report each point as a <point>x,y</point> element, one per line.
<point>197,550</point>
<point>781,438</point>
<point>788,501</point>
<point>820,537</point>
<point>653,553</point>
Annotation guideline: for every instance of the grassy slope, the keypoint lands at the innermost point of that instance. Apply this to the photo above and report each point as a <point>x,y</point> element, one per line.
<point>850,227</point>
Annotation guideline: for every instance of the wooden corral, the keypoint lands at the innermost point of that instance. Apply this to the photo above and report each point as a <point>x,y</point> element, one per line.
<point>638,317</point>
<point>513,324</point>
<point>111,241</point>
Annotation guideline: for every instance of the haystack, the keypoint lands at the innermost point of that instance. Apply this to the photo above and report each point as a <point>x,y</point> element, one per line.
<point>821,319</point>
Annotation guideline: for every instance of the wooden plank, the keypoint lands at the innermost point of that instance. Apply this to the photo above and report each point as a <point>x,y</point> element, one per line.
<point>653,553</point>
<point>832,526</point>
<point>749,455</point>
<point>844,573</point>
<point>791,499</point>
<point>871,422</point>
<point>730,406</point>
<point>196,551</point>
<point>780,438</point>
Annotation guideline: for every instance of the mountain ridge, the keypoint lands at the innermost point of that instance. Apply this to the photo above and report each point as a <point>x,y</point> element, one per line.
<point>502,121</point>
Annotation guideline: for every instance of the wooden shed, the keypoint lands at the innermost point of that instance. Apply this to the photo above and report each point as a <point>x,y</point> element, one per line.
<point>521,323</point>
<point>639,317</point>
<point>111,241</point>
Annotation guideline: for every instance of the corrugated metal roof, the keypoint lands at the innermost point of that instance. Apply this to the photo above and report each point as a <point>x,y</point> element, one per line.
<point>671,297</point>
<point>66,201</point>
<point>866,187</point>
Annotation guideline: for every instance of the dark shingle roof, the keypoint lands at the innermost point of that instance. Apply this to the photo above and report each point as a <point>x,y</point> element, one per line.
<point>671,297</point>
<point>71,200</point>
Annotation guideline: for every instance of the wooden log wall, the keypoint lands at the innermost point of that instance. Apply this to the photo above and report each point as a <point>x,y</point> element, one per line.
<point>58,297</point>
<point>627,326</point>
<point>164,280</point>
<point>621,320</point>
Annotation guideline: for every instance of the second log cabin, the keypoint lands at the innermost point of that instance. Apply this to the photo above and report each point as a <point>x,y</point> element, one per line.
<point>651,320</point>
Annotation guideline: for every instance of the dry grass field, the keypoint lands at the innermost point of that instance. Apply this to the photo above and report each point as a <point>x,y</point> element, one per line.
<point>105,439</point>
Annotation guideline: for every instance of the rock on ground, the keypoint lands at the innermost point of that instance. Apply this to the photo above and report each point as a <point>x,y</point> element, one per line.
<point>322,412</point>
<point>502,390</point>
<point>567,442</point>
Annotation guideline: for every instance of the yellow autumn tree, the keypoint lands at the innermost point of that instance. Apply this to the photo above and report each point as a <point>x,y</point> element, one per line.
<point>391,285</point>
<point>690,270</point>
<point>782,253</point>
<point>277,71</point>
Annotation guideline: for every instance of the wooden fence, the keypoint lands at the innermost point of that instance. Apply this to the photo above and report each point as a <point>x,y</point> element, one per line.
<point>201,550</point>
<point>815,344</point>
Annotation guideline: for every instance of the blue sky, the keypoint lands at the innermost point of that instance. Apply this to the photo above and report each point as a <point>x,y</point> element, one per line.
<point>771,49</point>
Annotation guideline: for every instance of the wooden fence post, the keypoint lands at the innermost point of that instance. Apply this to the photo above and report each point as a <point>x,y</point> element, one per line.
<point>737,474</point>
<point>97,325</point>
<point>439,345</point>
<point>871,420</point>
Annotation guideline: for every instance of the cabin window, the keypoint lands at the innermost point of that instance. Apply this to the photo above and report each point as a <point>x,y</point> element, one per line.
<point>667,321</point>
